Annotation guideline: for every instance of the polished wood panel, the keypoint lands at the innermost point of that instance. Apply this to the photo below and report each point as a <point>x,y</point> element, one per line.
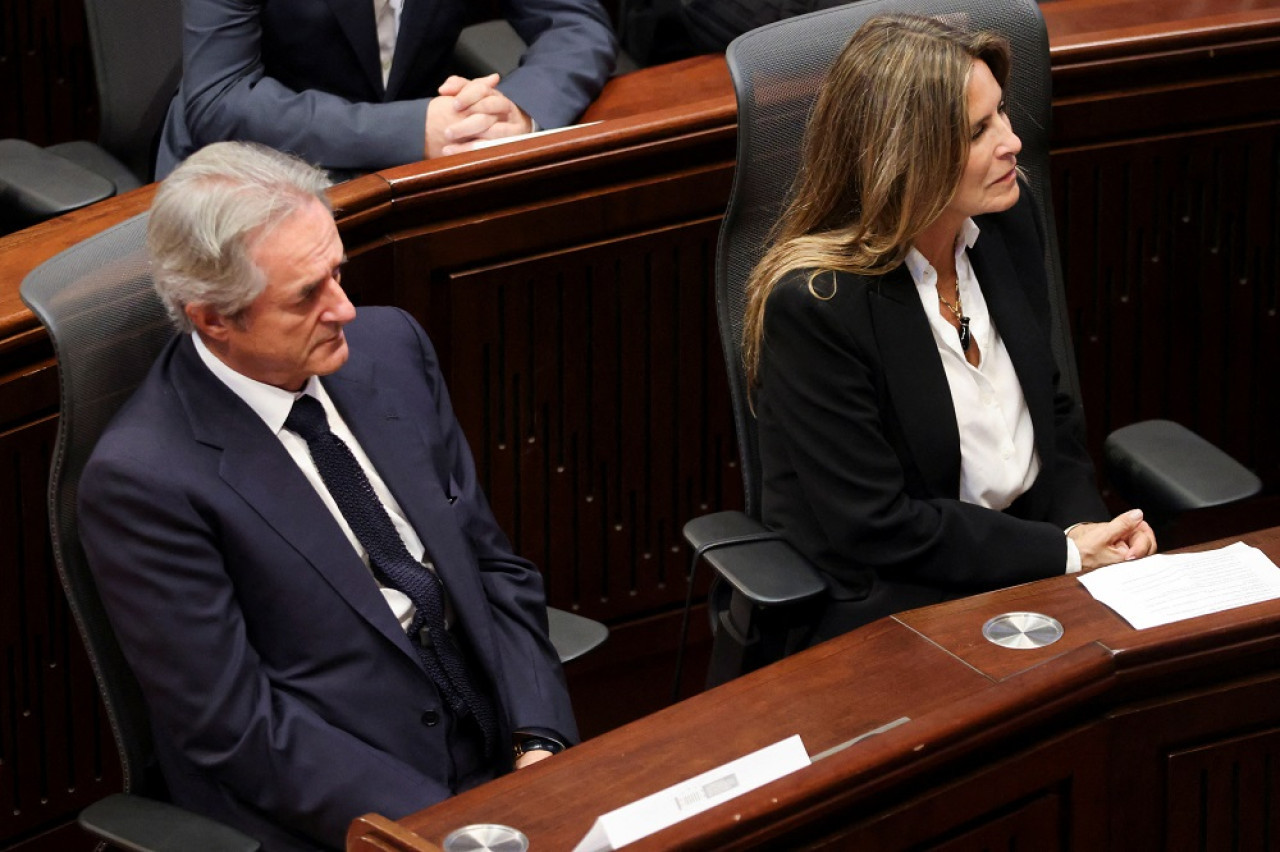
<point>562,374</point>
<point>678,742</point>
<point>1172,283</point>
<point>1109,738</point>
<point>1042,800</point>
<point>1093,30</point>
<point>1165,174</point>
<point>1225,789</point>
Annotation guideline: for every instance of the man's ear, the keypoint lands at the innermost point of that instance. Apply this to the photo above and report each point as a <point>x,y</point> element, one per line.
<point>212,325</point>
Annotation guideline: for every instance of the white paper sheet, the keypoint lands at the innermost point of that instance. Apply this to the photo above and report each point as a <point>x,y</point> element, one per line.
<point>503,140</point>
<point>652,813</point>
<point>1165,588</point>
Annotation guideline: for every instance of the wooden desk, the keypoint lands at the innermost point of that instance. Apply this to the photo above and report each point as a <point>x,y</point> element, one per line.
<point>1109,738</point>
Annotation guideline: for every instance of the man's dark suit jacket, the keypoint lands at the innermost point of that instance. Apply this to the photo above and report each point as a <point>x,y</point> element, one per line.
<point>860,449</point>
<point>285,698</point>
<point>304,76</point>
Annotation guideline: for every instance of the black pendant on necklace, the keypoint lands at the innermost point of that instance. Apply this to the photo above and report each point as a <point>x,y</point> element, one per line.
<point>965,336</point>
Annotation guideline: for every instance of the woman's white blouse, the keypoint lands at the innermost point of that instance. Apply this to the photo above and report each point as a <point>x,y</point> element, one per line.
<point>998,460</point>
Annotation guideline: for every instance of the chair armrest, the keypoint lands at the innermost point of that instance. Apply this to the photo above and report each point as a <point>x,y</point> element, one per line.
<point>147,825</point>
<point>754,560</point>
<point>93,157</point>
<point>1165,469</point>
<point>574,635</point>
<point>36,185</point>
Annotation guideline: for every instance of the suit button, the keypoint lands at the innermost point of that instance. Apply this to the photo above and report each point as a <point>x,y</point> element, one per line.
<point>430,718</point>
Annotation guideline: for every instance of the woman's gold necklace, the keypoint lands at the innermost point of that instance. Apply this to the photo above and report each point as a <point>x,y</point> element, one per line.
<point>958,310</point>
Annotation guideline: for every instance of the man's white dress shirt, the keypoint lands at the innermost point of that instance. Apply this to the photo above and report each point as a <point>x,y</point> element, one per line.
<point>386,13</point>
<point>273,405</point>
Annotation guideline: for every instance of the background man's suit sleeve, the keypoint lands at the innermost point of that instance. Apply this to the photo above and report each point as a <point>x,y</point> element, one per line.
<point>226,92</point>
<point>571,55</point>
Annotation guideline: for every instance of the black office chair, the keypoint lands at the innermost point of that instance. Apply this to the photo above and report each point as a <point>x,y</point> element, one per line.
<point>107,326</point>
<point>137,61</point>
<point>761,608</point>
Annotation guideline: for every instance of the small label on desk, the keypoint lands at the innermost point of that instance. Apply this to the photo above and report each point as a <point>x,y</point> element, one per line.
<point>653,813</point>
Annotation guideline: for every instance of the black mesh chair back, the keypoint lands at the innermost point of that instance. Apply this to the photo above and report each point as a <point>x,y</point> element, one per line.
<point>776,72</point>
<point>107,326</point>
<point>137,58</point>
<point>136,47</point>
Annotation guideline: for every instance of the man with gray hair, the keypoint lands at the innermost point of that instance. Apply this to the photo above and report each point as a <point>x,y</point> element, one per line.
<point>286,529</point>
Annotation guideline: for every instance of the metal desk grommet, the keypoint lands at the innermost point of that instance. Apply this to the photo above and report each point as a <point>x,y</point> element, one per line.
<point>1022,630</point>
<point>486,837</point>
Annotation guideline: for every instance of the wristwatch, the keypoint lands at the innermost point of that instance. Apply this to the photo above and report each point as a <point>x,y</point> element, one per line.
<point>537,744</point>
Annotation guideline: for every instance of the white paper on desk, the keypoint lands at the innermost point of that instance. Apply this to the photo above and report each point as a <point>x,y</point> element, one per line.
<point>1166,588</point>
<point>503,140</point>
<point>652,813</point>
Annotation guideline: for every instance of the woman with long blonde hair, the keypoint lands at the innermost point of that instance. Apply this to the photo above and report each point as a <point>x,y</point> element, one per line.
<point>912,439</point>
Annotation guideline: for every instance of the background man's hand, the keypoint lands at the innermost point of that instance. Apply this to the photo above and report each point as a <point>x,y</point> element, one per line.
<point>467,111</point>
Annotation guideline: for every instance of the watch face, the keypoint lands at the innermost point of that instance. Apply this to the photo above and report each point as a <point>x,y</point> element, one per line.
<point>537,744</point>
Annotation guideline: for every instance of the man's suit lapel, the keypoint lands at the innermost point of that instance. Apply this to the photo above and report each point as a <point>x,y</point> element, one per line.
<point>917,383</point>
<point>392,438</point>
<point>356,19</point>
<point>392,441</point>
<point>262,472</point>
<point>1005,295</point>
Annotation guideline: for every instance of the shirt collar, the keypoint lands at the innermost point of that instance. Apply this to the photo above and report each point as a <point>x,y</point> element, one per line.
<point>271,403</point>
<point>916,263</point>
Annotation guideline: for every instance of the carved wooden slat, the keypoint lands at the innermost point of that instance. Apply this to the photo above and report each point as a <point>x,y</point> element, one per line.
<point>1223,795</point>
<point>1050,798</point>
<point>1171,289</point>
<point>591,387</point>
<point>46,76</point>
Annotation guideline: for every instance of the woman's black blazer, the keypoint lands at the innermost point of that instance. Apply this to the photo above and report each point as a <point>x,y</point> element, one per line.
<point>859,446</point>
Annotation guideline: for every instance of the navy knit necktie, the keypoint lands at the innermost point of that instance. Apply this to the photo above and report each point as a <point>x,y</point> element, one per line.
<point>391,561</point>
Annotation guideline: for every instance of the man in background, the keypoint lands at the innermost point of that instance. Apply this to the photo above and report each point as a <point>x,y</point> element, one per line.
<point>361,85</point>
